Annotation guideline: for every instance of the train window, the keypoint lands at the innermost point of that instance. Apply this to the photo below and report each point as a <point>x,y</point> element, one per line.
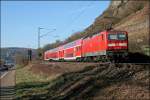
<point>118,36</point>
<point>112,36</point>
<point>122,36</point>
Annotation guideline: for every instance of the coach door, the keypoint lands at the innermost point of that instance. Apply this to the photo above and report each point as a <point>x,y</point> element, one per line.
<point>59,54</point>
<point>63,52</point>
<point>78,51</point>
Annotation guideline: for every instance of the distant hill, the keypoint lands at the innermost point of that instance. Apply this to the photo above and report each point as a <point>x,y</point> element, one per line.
<point>10,52</point>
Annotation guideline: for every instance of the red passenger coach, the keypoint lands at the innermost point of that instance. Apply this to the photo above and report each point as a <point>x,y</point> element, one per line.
<point>69,51</point>
<point>51,54</point>
<point>72,50</point>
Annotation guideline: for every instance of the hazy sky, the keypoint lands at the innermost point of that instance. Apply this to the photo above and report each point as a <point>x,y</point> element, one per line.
<point>20,20</point>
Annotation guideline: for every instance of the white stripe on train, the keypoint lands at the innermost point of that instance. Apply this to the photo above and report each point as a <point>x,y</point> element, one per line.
<point>66,58</point>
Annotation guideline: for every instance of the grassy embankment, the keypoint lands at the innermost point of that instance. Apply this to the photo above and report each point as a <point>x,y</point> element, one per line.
<point>33,86</point>
<point>104,81</point>
<point>29,84</point>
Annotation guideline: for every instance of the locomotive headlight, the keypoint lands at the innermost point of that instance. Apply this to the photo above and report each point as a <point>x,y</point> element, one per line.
<point>111,44</point>
<point>122,44</point>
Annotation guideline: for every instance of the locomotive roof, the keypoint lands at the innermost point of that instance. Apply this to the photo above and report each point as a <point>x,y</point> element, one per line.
<point>91,35</point>
<point>96,33</point>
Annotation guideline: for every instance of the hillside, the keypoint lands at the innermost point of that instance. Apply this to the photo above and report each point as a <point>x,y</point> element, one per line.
<point>82,81</point>
<point>116,12</point>
<point>137,25</point>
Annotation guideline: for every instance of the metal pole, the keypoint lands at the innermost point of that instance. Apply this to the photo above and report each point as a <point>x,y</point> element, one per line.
<point>39,28</point>
<point>39,51</point>
<point>39,38</point>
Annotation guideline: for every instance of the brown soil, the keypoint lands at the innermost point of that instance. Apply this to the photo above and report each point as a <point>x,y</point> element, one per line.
<point>94,81</point>
<point>105,82</point>
<point>55,68</point>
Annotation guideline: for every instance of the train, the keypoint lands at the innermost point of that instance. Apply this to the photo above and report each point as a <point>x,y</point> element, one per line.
<point>107,45</point>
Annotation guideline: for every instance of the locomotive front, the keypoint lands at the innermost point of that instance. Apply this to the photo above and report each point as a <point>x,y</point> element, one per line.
<point>117,47</point>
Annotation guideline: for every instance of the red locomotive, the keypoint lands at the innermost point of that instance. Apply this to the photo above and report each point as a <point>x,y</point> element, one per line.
<point>106,45</point>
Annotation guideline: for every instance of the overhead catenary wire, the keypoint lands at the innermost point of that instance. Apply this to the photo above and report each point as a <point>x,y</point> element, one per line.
<point>47,33</point>
<point>78,16</point>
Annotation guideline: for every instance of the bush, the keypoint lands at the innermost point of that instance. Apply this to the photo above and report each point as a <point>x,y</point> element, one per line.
<point>21,60</point>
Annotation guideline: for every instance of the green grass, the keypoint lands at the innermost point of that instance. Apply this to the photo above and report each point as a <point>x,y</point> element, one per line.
<point>38,87</point>
<point>29,84</point>
<point>24,75</point>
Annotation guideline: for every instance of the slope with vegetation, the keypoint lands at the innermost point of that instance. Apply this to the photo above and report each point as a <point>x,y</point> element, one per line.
<point>33,81</point>
<point>90,81</point>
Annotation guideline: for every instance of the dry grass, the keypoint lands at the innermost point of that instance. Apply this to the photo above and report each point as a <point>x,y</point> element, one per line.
<point>98,81</point>
<point>28,84</point>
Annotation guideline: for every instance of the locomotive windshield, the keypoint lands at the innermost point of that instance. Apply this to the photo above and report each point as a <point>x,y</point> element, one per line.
<point>118,36</point>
